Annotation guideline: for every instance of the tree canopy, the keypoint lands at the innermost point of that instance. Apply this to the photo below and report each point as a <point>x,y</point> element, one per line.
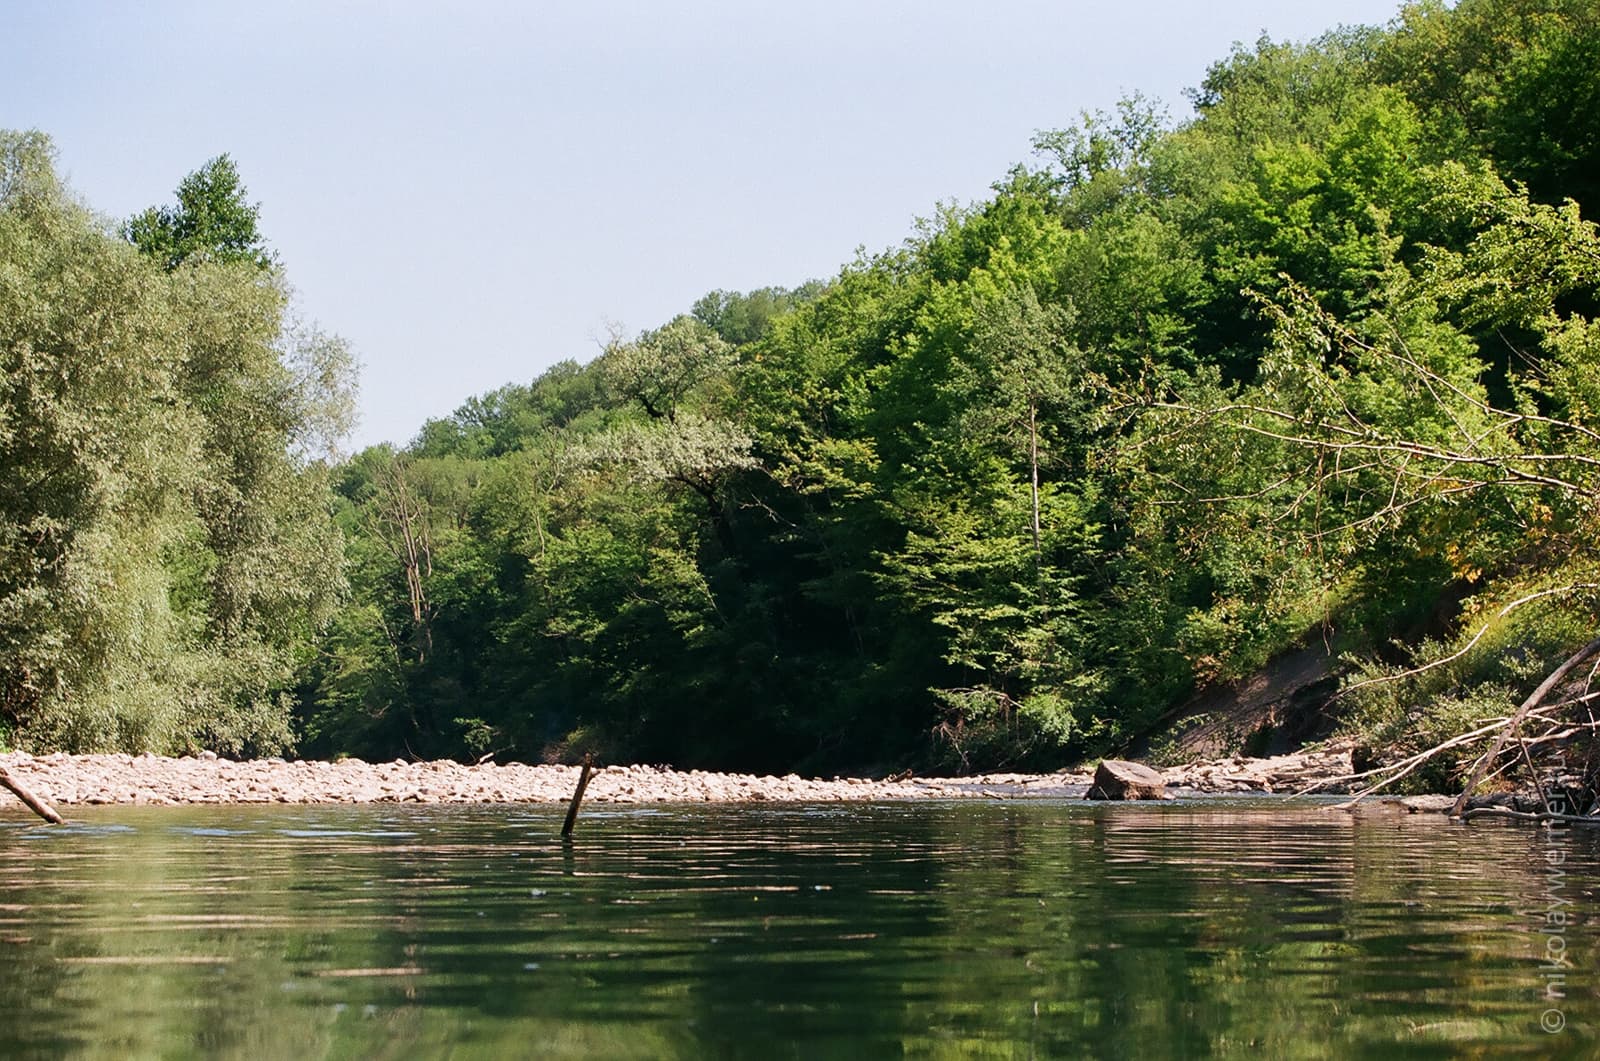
<point>1316,364</point>
<point>168,555</point>
<point>212,220</point>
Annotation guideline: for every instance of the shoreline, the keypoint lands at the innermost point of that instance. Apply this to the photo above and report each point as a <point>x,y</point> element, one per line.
<point>152,780</point>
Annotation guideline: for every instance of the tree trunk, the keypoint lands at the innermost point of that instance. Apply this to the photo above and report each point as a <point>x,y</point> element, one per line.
<point>1033,459</point>
<point>401,522</point>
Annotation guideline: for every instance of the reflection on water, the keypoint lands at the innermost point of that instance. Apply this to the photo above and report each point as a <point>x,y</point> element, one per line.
<point>1019,929</point>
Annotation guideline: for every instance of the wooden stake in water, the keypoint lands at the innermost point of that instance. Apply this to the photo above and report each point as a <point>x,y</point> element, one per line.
<point>35,804</point>
<point>577,796</point>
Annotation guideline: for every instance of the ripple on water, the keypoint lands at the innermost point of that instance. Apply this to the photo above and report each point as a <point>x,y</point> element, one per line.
<point>1021,927</point>
<point>331,834</point>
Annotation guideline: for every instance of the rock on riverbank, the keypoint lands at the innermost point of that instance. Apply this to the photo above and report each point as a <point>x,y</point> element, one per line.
<point>151,779</point>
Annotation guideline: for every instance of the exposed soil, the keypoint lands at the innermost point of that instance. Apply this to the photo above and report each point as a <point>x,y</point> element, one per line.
<point>1280,708</point>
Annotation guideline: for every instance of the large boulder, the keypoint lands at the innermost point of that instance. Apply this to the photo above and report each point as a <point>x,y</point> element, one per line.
<point>1120,779</point>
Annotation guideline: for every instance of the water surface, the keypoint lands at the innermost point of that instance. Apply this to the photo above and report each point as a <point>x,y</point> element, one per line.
<point>1014,929</point>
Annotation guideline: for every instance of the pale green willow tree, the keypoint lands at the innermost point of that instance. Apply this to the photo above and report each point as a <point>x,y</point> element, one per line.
<point>98,447</point>
<point>661,371</point>
<point>660,368</point>
<point>165,548</point>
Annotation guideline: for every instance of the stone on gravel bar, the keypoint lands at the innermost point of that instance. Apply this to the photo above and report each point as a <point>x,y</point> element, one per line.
<point>1119,779</point>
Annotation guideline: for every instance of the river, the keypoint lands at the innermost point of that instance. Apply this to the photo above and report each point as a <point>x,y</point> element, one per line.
<point>1024,928</point>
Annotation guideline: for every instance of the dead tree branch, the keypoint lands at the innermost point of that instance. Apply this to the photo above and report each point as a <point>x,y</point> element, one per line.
<point>1533,701</point>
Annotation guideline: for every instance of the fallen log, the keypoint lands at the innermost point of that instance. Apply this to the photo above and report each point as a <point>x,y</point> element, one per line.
<point>34,803</point>
<point>1528,816</point>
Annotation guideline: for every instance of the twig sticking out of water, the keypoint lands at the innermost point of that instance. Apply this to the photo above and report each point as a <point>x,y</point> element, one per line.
<point>577,797</point>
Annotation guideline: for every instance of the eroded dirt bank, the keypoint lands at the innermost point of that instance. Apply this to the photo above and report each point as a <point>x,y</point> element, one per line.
<point>149,779</point>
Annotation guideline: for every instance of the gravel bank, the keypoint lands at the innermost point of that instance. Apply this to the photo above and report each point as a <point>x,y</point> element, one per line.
<point>71,780</point>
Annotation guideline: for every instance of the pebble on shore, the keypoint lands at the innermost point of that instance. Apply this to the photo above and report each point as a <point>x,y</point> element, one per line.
<point>208,778</point>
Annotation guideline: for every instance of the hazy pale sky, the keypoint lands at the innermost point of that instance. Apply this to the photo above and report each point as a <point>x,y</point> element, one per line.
<point>470,192</point>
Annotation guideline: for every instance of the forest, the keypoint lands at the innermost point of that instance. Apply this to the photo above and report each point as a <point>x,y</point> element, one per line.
<point>1320,363</point>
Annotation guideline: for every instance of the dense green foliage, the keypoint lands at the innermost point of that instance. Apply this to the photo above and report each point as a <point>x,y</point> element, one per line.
<point>1009,492</point>
<point>212,220</point>
<point>1319,362</point>
<point>166,552</point>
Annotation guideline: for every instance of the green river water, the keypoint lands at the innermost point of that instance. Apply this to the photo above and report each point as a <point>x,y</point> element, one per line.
<point>995,929</point>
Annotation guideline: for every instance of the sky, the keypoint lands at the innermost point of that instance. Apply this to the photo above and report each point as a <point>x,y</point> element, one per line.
<point>468,195</point>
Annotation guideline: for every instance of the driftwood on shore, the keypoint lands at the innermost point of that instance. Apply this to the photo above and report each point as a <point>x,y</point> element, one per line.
<point>1510,729</point>
<point>1557,732</point>
<point>1541,817</point>
<point>33,802</point>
